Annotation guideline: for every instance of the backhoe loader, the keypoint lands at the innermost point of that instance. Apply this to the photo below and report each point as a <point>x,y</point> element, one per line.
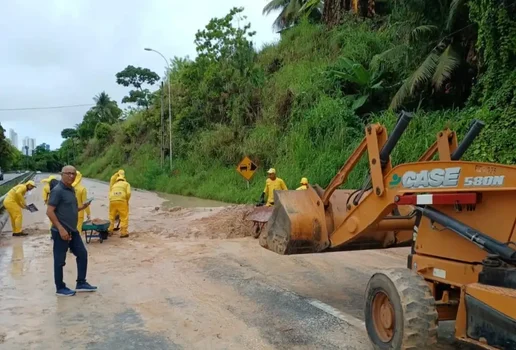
<point>461,216</point>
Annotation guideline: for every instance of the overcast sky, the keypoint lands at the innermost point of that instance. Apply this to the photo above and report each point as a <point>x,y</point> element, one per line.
<point>64,52</point>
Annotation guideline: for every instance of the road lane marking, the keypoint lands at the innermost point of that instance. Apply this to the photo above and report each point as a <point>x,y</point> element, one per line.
<point>336,313</point>
<point>350,320</point>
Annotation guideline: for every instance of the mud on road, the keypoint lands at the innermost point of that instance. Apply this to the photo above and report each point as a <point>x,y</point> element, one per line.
<point>187,278</point>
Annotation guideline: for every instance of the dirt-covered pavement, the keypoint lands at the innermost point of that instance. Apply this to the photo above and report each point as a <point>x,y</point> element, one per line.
<point>185,279</point>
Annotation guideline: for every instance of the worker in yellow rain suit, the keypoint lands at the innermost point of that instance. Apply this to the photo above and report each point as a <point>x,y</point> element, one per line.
<point>14,202</point>
<point>304,184</point>
<point>115,176</point>
<point>271,184</point>
<point>112,181</point>
<point>46,187</point>
<point>82,195</point>
<point>119,205</point>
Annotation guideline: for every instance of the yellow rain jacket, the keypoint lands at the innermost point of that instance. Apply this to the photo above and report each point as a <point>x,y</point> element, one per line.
<point>270,186</point>
<point>115,176</point>
<point>14,202</point>
<point>82,195</point>
<point>119,197</point>
<point>46,187</point>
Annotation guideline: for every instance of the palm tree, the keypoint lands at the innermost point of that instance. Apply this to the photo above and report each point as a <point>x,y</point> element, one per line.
<point>450,48</point>
<point>292,11</point>
<point>106,109</point>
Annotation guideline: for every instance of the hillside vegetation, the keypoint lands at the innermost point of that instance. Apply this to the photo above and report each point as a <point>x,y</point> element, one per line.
<point>301,105</point>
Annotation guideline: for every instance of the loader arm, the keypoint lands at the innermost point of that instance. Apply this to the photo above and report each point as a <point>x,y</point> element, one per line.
<point>375,142</point>
<point>343,173</point>
<point>306,221</point>
<point>444,145</point>
<point>446,177</point>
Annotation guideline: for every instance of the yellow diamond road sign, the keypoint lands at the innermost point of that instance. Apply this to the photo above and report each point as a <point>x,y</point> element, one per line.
<point>247,168</point>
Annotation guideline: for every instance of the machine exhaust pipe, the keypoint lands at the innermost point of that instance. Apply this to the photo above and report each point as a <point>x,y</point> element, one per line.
<point>482,240</point>
<point>394,137</point>
<point>475,128</point>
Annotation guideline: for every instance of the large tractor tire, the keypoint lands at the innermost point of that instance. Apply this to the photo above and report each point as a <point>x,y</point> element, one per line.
<point>400,311</point>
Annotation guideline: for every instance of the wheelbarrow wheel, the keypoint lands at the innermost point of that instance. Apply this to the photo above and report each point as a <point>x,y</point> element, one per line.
<point>257,229</point>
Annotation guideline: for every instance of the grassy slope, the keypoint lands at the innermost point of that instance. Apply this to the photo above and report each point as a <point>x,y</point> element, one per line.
<point>314,141</point>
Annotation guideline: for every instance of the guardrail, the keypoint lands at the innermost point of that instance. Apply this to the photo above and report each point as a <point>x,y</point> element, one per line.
<point>11,183</point>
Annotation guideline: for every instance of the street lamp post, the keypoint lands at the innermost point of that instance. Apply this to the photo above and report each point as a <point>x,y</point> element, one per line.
<point>169,103</point>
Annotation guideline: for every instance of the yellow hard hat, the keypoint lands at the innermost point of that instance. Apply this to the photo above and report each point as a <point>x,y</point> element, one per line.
<point>271,171</point>
<point>30,182</point>
<point>304,181</point>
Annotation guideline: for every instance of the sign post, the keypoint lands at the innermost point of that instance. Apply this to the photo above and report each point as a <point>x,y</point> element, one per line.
<point>246,168</point>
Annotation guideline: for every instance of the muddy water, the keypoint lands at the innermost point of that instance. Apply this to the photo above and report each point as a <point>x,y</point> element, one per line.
<point>174,200</point>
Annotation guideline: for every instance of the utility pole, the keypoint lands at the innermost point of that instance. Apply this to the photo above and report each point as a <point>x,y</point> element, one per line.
<point>169,103</point>
<point>162,132</point>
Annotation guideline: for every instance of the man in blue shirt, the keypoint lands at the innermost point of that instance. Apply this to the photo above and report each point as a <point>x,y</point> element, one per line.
<point>63,212</point>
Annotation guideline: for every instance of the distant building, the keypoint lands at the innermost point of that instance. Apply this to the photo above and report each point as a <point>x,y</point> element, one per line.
<point>46,146</point>
<point>13,137</point>
<point>28,146</point>
<point>25,146</point>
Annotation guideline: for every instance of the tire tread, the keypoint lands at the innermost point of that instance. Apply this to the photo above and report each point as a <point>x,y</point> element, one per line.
<point>419,311</point>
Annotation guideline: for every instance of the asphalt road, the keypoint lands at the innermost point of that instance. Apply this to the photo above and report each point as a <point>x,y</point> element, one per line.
<point>8,177</point>
<point>172,285</point>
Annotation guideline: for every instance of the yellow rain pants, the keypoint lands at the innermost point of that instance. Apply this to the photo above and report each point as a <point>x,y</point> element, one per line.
<point>120,208</point>
<point>119,205</point>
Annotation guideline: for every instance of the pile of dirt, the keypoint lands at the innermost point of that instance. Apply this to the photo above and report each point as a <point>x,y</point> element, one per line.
<point>228,223</point>
<point>98,221</point>
<point>194,223</point>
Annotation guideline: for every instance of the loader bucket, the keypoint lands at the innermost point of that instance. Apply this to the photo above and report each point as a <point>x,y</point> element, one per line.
<point>297,224</point>
<point>300,224</point>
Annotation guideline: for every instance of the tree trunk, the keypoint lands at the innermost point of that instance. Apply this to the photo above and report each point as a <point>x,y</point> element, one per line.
<point>333,10</point>
<point>370,8</point>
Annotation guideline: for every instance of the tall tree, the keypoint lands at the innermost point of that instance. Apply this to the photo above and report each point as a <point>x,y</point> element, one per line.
<point>5,149</point>
<point>334,10</point>
<point>137,77</point>
<point>449,47</point>
<point>68,133</point>
<point>106,109</point>
<point>291,11</point>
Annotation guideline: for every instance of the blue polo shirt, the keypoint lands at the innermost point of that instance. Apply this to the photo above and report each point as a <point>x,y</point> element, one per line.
<point>63,199</point>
